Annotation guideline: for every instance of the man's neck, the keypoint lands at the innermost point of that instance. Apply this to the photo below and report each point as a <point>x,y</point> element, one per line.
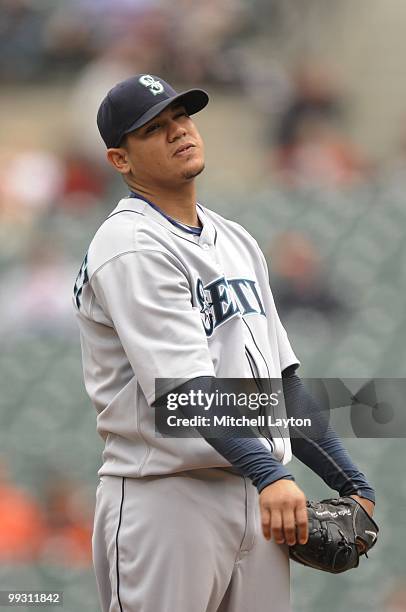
<point>180,204</point>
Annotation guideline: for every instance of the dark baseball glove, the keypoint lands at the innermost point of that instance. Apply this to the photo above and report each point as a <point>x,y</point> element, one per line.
<point>340,531</point>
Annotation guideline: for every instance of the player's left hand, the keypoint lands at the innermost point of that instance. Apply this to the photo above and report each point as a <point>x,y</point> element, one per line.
<point>367,504</point>
<point>340,531</point>
<point>369,507</point>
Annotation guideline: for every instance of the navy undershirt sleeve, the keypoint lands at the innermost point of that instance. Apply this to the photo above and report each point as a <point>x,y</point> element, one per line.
<point>248,455</point>
<point>320,448</point>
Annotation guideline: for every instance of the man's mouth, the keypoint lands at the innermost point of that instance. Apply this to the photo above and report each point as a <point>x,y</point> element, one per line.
<point>183,149</point>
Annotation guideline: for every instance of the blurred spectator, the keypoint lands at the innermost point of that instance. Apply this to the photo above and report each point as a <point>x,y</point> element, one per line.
<point>90,25</point>
<point>298,278</point>
<point>267,85</point>
<point>30,183</point>
<point>185,40</point>
<point>35,183</point>
<point>21,48</point>
<point>36,296</point>
<point>315,95</point>
<point>85,182</point>
<point>201,36</point>
<point>310,146</point>
<point>21,525</point>
<point>68,513</point>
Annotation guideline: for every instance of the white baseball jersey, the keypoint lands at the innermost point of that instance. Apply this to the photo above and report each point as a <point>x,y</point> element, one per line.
<point>155,301</point>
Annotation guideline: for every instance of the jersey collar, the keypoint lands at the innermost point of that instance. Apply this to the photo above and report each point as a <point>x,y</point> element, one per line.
<point>196,231</point>
<point>139,204</point>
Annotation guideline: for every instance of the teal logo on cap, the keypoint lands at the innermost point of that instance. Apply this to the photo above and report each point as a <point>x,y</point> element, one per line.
<point>154,86</point>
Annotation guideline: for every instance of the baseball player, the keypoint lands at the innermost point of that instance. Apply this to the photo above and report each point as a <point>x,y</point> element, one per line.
<point>171,290</point>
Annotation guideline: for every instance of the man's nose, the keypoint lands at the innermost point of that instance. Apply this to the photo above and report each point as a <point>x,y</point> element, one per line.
<point>175,130</point>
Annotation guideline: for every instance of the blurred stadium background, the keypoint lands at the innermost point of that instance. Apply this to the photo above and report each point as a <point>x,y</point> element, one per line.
<point>306,147</point>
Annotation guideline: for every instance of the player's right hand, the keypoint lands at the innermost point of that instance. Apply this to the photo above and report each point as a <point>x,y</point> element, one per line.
<point>283,513</point>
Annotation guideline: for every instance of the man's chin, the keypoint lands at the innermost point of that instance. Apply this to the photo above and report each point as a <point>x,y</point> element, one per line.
<point>191,173</point>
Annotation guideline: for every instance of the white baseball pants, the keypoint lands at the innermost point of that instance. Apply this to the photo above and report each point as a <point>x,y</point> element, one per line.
<point>186,542</point>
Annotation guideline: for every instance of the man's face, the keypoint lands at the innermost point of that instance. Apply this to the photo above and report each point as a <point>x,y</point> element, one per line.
<point>166,151</point>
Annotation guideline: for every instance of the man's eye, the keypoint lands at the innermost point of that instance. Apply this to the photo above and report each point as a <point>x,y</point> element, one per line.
<point>152,128</point>
<point>181,113</point>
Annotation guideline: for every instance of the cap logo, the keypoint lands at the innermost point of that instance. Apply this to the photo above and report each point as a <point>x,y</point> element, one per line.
<point>155,87</point>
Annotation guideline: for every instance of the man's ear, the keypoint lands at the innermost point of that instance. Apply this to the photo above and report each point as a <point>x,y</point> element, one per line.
<point>118,158</point>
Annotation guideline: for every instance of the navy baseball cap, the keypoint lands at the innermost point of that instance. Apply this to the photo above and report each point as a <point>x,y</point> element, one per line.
<point>133,102</point>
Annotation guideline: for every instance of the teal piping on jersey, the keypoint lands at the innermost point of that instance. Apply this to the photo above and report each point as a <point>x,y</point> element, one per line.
<point>187,228</point>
